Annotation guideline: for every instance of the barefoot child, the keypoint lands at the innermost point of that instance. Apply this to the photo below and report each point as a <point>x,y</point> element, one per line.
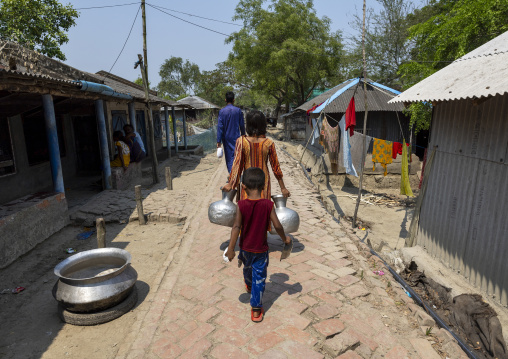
<point>253,219</point>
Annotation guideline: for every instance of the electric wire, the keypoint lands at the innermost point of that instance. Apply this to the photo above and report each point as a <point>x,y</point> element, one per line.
<point>187,21</point>
<point>125,43</point>
<point>105,6</point>
<point>201,17</point>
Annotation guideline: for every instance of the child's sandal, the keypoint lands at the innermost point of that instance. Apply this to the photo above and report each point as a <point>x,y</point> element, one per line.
<point>247,288</point>
<point>257,319</point>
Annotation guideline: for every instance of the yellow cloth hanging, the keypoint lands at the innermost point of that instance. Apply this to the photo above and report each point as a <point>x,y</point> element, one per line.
<point>382,153</point>
<point>405,187</point>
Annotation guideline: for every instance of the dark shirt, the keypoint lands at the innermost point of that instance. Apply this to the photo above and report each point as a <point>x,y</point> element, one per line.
<point>137,153</point>
<point>255,223</point>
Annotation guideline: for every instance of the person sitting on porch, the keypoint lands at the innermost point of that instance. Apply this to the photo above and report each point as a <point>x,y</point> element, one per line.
<point>134,135</point>
<point>123,158</point>
<point>137,154</point>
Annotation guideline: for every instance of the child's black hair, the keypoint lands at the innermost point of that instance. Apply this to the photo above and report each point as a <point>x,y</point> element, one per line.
<point>254,178</point>
<point>117,134</point>
<point>256,123</point>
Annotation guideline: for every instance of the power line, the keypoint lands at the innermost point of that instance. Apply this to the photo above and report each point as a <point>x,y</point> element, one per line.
<point>125,43</point>
<point>102,7</point>
<point>201,17</point>
<point>189,22</point>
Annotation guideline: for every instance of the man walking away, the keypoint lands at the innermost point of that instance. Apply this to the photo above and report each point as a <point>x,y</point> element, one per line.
<point>231,126</point>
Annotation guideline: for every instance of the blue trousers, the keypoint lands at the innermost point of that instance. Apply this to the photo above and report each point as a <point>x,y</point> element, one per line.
<point>254,273</point>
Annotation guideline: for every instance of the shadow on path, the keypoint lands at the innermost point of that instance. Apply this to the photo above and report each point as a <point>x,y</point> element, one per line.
<point>275,287</point>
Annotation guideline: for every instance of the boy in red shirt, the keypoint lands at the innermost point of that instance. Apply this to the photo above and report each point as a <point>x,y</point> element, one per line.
<point>253,218</point>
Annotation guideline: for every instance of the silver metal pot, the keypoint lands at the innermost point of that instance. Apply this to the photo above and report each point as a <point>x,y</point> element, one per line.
<point>94,280</point>
<point>289,219</point>
<point>223,212</point>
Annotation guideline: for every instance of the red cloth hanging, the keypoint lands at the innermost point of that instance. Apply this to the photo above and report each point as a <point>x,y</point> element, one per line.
<point>310,110</point>
<point>397,149</point>
<point>351,117</point>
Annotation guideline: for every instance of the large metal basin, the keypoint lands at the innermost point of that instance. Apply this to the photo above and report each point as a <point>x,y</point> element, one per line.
<point>94,280</point>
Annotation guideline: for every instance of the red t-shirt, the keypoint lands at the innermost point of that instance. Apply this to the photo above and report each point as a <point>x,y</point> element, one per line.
<point>255,223</point>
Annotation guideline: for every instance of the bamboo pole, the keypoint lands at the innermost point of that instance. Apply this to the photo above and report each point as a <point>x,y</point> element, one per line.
<point>364,150</point>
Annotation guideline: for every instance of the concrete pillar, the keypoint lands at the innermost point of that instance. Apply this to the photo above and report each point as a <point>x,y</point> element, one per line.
<point>168,134</point>
<point>184,129</point>
<point>174,128</point>
<point>54,149</point>
<point>103,142</point>
<point>132,116</point>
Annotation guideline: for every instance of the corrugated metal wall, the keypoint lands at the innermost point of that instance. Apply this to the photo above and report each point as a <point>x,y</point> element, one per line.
<point>464,216</point>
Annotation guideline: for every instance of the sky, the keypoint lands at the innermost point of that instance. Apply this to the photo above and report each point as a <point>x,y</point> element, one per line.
<point>99,34</point>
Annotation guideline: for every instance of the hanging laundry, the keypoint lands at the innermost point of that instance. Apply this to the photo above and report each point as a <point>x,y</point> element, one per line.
<point>382,153</point>
<point>314,106</point>
<point>356,144</point>
<point>397,149</point>
<point>405,187</point>
<point>316,125</point>
<point>346,149</point>
<point>331,142</point>
<point>351,116</point>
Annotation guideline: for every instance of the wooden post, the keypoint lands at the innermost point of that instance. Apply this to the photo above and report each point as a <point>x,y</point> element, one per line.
<point>184,130</point>
<point>169,180</point>
<point>101,232</point>
<point>364,150</point>
<point>145,55</point>
<point>139,205</point>
<point>155,164</point>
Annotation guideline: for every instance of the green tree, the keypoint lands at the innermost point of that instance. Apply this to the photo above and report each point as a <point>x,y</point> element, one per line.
<point>386,44</point>
<point>38,24</point>
<point>178,78</point>
<point>442,32</point>
<point>214,85</point>
<point>139,81</point>
<point>284,50</point>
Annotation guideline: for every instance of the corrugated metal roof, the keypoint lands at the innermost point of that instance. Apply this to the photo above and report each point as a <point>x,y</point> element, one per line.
<point>323,97</point>
<point>481,73</point>
<point>337,99</point>
<point>38,76</point>
<point>377,100</point>
<point>197,102</point>
<point>122,85</point>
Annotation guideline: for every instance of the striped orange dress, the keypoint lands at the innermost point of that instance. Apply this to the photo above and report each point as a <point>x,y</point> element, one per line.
<point>249,154</point>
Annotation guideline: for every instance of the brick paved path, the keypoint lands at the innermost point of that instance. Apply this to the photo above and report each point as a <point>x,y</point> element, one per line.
<point>322,302</point>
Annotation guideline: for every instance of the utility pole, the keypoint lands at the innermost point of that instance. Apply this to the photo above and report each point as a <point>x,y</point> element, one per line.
<point>145,56</point>
<point>144,75</point>
<point>151,137</point>
<point>364,150</point>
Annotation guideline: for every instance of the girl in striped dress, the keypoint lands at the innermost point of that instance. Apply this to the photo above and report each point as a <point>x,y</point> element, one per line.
<point>255,150</point>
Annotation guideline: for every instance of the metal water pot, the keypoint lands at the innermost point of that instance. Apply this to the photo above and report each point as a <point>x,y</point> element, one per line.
<point>94,280</point>
<point>223,212</point>
<point>289,219</point>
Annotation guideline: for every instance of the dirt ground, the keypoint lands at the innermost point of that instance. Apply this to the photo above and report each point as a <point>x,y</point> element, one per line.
<point>386,227</point>
<point>30,325</point>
